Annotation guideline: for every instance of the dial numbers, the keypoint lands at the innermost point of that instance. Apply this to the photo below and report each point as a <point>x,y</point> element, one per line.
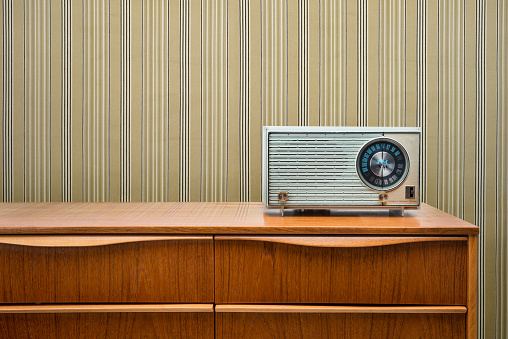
<point>382,164</point>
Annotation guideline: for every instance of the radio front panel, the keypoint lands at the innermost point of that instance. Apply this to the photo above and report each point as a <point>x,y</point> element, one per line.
<point>331,167</point>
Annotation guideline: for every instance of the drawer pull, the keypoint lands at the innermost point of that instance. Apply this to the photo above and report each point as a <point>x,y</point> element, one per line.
<point>337,309</point>
<point>168,308</point>
<point>86,241</point>
<point>342,241</point>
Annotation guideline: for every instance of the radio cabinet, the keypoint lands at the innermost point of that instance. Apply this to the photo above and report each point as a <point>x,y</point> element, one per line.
<point>228,270</point>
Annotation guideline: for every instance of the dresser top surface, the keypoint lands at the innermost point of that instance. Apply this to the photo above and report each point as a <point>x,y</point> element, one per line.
<point>216,218</point>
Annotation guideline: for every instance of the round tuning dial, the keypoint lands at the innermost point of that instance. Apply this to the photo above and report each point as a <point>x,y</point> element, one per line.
<point>382,164</point>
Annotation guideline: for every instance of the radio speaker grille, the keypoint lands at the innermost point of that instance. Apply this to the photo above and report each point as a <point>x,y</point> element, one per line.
<point>317,169</point>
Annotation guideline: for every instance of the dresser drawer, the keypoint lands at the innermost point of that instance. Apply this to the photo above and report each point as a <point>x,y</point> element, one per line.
<point>104,269</point>
<point>157,321</point>
<point>341,270</point>
<point>298,323</point>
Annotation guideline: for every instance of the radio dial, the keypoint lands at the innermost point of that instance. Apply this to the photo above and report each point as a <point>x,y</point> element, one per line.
<point>382,164</point>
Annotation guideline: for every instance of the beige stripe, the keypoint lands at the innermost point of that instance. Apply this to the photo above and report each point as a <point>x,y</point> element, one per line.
<point>96,103</point>
<point>174,99</point>
<point>292,62</point>
<point>245,132</point>
<point>351,63</point>
<point>312,69</point>
<point>194,148</point>
<point>4,153</point>
<point>125,113</point>
<point>113,156</point>
<point>66,107</point>
<point>214,96</point>
<point>361,63</point>
<point>375,26</point>
<point>489,206</point>
<point>155,97</point>
<point>502,168</point>
<point>37,132</point>
<point>410,50</point>
<point>255,87</point>
<point>333,63</point>
<point>6,141</point>
<point>76,100</point>
<point>392,88</point>
<point>55,84</point>
<point>421,89</point>
<point>303,64</point>
<point>233,178</point>
<point>431,101</point>
<point>451,108</point>
<point>135,23</point>
<point>184,101</point>
<point>274,49</point>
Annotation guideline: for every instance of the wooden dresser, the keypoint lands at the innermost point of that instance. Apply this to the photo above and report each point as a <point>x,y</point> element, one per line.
<point>229,270</point>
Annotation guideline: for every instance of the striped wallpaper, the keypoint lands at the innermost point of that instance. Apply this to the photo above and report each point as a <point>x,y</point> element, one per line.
<point>164,100</point>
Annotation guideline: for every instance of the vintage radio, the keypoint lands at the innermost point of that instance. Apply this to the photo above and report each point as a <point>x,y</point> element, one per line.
<point>341,167</point>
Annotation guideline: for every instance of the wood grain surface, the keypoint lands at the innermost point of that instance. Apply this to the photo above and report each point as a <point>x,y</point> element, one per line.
<point>169,271</point>
<point>472,289</point>
<point>339,241</point>
<point>429,273</point>
<point>109,308</point>
<point>87,240</point>
<point>331,326</point>
<point>217,218</point>
<point>107,325</point>
<point>248,308</point>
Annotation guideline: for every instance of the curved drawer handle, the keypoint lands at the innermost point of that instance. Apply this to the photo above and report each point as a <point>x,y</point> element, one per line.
<point>336,309</point>
<point>85,240</point>
<point>332,241</point>
<point>167,308</point>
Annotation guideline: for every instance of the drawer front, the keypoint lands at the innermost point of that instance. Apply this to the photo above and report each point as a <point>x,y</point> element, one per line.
<point>322,325</point>
<point>107,325</point>
<point>342,270</point>
<point>106,269</point>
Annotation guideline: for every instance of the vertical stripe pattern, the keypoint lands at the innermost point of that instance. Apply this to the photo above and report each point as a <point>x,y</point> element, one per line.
<point>303,62</point>
<point>125,104</point>
<point>155,102</point>
<point>166,99</point>
<point>7,138</point>
<point>451,107</point>
<point>66,110</point>
<point>214,88</point>
<point>502,171</point>
<point>274,61</point>
<point>95,110</point>
<point>38,101</point>
<point>184,189</point>
<point>480,150</point>
<point>362,63</point>
<point>391,85</point>
<point>333,98</point>
<point>244,109</point>
<point>421,88</point>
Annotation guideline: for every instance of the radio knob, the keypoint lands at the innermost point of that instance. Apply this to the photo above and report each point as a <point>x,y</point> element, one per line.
<point>282,196</point>
<point>383,197</point>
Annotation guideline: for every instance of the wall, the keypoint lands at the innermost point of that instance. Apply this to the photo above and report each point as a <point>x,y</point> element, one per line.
<point>154,100</point>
